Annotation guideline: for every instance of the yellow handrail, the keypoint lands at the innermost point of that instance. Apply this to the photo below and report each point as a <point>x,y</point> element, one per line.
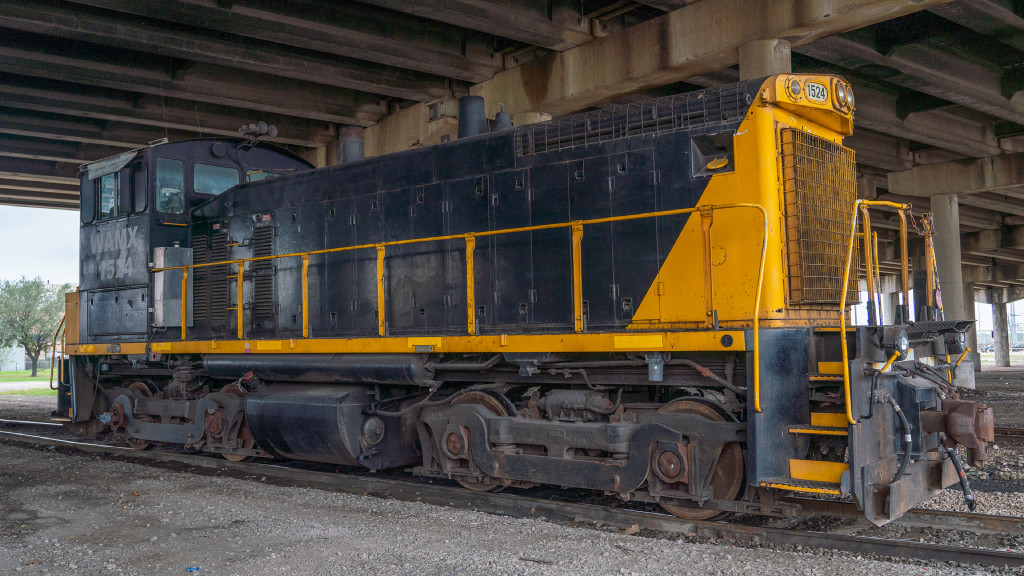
<point>846,284</point>
<point>53,356</point>
<point>470,238</point>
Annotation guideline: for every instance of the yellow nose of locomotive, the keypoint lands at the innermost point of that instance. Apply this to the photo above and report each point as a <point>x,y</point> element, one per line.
<point>822,98</point>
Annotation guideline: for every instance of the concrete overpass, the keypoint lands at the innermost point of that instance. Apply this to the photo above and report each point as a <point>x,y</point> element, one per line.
<point>939,87</point>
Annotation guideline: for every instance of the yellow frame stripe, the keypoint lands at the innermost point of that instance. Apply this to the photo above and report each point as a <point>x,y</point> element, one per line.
<point>602,342</point>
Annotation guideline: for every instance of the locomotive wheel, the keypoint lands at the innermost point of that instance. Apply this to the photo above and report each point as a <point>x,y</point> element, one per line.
<point>727,477</point>
<point>144,390</point>
<point>496,405</point>
<point>248,442</point>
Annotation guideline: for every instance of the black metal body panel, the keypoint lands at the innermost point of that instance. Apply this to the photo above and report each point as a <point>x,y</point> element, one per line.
<point>785,402</point>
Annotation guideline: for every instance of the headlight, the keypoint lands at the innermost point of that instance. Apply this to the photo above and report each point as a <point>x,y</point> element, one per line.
<point>896,341</point>
<point>794,87</point>
<point>841,94</point>
<point>849,98</point>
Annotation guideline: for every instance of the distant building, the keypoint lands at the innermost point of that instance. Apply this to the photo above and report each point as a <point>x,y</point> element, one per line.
<point>12,358</point>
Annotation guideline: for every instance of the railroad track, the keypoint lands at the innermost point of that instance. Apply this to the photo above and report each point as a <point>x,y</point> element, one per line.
<point>1005,433</point>
<point>573,512</point>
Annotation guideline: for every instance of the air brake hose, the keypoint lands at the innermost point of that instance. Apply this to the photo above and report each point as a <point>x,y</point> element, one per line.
<point>964,484</point>
<point>907,438</point>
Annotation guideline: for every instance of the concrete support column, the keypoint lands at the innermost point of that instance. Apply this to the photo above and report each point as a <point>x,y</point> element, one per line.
<point>957,299</point>
<point>350,139</point>
<point>947,256</point>
<point>972,337</point>
<point>759,58</point>
<point>1000,334</point>
<point>890,302</point>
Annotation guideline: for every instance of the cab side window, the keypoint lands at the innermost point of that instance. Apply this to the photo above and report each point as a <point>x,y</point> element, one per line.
<point>170,188</point>
<point>108,196</point>
<point>210,179</point>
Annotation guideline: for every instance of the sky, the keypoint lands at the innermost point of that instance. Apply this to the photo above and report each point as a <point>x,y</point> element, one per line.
<point>39,242</point>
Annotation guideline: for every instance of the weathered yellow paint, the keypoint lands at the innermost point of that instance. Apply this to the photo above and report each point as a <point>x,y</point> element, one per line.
<point>830,419</point>
<point>671,341</point>
<point>818,431</point>
<point>730,290</point>
<point>470,285</point>
<point>784,486</point>
<point>817,470</point>
<point>71,318</point>
<point>268,345</point>
<point>184,303</point>
<point>577,276</point>
<point>305,295</point>
<point>381,326</point>
<point>835,368</point>
<point>435,343</point>
<point>240,309</point>
<point>641,341</point>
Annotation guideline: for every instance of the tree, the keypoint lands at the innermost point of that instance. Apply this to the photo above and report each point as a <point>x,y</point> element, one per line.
<point>29,313</point>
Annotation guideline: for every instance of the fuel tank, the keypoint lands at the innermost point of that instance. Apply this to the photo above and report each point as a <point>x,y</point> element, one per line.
<point>330,424</point>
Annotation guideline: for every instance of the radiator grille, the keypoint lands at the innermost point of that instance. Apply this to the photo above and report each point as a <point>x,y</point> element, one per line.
<point>820,185</point>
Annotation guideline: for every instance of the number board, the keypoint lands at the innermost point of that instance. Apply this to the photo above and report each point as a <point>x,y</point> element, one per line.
<point>816,92</point>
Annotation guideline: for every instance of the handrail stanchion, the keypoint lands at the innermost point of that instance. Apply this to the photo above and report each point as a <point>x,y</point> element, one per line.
<point>241,291</point>
<point>904,267</point>
<point>305,295</point>
<point>470,286</point>
<point>54,354</point>
<point>706,220</point>
<point>878,276</point>
<point>859,206</point>
<point>577,276</point>
<point>380,290</point>
<point>842,315</point>
<point>929,265</point>
<point>868,274</point>
<point>184,303</point>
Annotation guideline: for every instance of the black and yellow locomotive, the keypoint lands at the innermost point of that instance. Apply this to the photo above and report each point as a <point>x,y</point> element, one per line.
<point>647,300</point>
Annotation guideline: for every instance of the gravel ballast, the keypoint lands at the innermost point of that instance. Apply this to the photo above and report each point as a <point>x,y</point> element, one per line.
<point>83,515</point>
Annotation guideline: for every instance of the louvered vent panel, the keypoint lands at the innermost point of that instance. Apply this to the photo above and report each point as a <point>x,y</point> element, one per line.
<point>263,276</point>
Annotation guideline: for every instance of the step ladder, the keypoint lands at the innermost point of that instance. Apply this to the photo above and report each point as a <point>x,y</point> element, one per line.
<point>815,476</point>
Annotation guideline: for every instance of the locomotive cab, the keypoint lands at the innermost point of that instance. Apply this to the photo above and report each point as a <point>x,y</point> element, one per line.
<point>135,211</point>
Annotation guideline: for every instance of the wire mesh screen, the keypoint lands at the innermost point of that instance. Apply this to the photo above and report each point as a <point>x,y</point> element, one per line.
<point>820,185</point>
<point>702,111</point>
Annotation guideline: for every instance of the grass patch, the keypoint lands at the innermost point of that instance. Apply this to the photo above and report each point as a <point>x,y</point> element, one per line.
<point>25,376</point>
<point>30,392</point>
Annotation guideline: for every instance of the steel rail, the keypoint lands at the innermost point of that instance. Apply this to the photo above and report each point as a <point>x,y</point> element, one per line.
<point>30,424</point>
<point>1009,433</point>
<point>558,512</point>
<point>917,517</point>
